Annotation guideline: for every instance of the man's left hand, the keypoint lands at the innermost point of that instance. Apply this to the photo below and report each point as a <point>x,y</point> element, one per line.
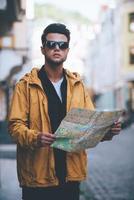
<point>115,130</point>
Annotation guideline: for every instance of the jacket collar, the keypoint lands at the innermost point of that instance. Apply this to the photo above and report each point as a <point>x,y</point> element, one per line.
<point>32,77</point>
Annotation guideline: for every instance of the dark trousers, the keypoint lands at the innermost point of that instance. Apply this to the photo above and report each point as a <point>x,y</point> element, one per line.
<point>68,191</point>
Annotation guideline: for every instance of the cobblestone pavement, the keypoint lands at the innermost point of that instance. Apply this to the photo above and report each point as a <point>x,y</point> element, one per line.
<point>111,171</point>
<point>9,188</point>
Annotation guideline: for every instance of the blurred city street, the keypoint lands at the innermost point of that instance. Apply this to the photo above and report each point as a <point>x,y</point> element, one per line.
<point>9,189</point>
<point>101,51</point>
<point>111,174</point>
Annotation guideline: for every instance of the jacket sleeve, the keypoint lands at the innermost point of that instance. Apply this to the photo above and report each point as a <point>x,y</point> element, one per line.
<point>18,118</point>
<point>88,102</point>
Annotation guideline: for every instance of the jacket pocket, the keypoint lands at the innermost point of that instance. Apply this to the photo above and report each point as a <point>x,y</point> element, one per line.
<point>77,164</point>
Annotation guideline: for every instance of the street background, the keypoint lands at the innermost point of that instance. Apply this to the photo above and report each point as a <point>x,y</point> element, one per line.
<point>102,52</point>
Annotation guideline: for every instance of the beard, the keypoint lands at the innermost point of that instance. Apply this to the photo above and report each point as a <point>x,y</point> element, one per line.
<point>54,63</point>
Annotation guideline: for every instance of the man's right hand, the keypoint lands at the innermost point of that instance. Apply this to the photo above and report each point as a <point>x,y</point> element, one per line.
<point>45,139</point>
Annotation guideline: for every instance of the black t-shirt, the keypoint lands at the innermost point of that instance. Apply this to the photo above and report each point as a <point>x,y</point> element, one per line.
<point>56,111</point>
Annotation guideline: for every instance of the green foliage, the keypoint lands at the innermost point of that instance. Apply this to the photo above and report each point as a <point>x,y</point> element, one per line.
<point>55,13</point>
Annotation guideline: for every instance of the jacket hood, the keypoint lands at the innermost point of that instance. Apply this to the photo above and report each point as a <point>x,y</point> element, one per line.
<point>73,75</point>
<point>32,77</point>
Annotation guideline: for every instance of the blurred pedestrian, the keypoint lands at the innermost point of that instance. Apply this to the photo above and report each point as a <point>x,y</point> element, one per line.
<point>40,101</point>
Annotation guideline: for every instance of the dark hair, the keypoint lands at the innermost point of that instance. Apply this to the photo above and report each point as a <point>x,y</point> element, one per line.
<point>55,28</point>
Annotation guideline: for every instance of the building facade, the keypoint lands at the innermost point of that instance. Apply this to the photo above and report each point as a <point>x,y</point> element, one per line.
<point>13,48</point>
<point>111,58</point>
<point>14,54</point>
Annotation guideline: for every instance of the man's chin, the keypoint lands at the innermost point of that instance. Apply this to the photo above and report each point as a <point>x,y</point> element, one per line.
<point>55,63</point>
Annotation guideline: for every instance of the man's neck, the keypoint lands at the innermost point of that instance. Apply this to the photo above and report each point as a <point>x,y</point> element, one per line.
<point>54,75</point>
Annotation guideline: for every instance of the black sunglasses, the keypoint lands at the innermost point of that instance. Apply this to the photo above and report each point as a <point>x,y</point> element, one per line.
<point>52,44</point>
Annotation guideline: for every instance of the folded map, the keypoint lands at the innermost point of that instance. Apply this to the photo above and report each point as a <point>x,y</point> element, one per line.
<point>82,128</point>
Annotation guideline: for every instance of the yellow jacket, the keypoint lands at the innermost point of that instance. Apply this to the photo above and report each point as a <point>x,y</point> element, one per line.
<point>28,116</point>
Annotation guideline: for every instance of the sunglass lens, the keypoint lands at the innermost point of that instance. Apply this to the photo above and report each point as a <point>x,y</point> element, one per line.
<point>50,44</point>
<point>53,44</point>
<point>63,45</point>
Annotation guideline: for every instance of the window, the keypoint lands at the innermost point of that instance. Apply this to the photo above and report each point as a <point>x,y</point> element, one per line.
<point>131,55</point>
<point>131,22</point>
<point>3,4</point>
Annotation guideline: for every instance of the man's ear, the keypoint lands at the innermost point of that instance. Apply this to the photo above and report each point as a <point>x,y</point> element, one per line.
<point>42,50</point>
<point>68,50</point>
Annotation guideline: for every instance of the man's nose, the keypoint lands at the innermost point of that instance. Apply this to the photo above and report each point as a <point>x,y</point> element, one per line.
<point>57,46</point>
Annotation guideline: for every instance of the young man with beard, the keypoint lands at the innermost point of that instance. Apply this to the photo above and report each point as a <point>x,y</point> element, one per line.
<point>41,100</point>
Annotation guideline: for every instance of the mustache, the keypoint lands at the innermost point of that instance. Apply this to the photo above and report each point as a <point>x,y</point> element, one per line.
<point>54,63</point>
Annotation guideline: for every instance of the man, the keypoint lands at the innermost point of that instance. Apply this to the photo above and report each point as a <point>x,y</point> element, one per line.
<point>41,100</point>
